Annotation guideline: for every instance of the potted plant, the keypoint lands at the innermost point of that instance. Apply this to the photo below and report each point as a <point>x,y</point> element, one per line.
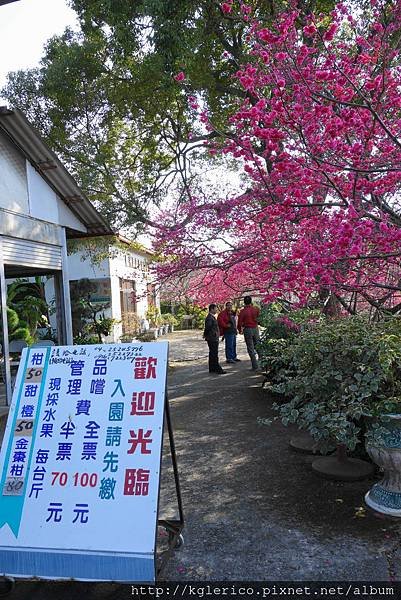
<point>383,438</point>
<point>332,373</point>
<point>152,315</point>
<point>170,321</point>
<point>159,324</point>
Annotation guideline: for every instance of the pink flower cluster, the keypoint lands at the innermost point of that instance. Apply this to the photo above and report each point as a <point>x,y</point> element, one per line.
<point>318,136</point>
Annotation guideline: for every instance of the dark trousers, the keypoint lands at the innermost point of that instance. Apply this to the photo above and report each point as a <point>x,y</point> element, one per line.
<point>252,339</point>
<point>213,356</point>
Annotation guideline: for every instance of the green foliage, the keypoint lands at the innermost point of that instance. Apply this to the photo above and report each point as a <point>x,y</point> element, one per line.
<point>12,319</point>
<point>169,319</point>
<point>153,314</point>
<point>197,313</point>
<point>106,101</point>
<point>89,323</point>
<point>21,333</point>
<point>17,329</point>
<point>27,309</point>
<point>280,325</point>
<point>337,371</point>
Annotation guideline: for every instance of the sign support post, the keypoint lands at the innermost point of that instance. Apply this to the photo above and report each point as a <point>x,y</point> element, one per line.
<point>173,527</point>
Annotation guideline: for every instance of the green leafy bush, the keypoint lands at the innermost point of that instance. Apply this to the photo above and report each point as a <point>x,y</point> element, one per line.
<point>169,319</point>
<point>336,372</point>
<point>197,313</point>
<point>17,329</point>
<point>281,326</point>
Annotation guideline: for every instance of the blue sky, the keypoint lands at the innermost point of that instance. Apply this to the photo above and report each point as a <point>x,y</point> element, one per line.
<point>25,26</point>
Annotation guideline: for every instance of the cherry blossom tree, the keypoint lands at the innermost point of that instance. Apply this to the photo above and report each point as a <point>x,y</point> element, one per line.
<point>318,135</point>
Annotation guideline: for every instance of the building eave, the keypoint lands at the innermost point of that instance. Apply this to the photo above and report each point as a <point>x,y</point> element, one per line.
<point>23,135</point>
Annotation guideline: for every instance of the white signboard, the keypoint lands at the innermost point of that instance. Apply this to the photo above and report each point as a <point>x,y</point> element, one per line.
<point>80,463</point>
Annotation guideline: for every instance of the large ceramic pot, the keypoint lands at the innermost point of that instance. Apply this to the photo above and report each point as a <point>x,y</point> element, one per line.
<point>385,496</point>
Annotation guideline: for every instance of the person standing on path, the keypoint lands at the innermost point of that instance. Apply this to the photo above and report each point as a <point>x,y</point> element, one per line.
<point>248,323</point>
<point>211,335</point>
<point>228,329</point>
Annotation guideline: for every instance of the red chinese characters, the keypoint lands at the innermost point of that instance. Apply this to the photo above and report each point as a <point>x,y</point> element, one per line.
<point>140,439</point>
<point>143,403</point>
<point>136,482</point>
<point>145,367</point>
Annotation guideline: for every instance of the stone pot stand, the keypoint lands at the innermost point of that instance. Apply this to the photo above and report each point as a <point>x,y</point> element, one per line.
<point>385,496</point>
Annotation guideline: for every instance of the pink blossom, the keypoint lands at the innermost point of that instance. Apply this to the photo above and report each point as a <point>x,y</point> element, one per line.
<point>267,36</point>
<point>309,30</point>
<point>246,9</point>
<point>330,33</point>
<point>180,76</point>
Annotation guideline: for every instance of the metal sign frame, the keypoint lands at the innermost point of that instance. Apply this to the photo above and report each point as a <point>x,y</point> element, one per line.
<point>173,527</point>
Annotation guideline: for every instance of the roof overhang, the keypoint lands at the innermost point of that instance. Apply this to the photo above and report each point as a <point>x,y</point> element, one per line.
<point>6,2</point>
<point>17,128</point>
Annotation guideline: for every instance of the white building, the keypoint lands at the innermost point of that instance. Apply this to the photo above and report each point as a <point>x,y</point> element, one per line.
<point>41,207</point>
<point>120,271</point>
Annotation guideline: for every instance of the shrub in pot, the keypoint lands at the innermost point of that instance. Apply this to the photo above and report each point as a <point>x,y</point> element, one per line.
<point>383,438</point>
<point>170,320</point>
<point>333,371</point>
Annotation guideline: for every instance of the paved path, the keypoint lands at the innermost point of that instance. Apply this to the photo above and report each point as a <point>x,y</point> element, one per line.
<point>254,509</point>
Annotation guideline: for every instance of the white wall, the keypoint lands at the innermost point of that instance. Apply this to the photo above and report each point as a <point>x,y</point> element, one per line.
<point>67,218</point>
<point>120,268</point>
<point>46,205</point>
<point>42,199</point>
<point>139,274</point>
<point>116,266</point>
<point>23,190</point>
<point>13,181</point>
<point>80,267</point>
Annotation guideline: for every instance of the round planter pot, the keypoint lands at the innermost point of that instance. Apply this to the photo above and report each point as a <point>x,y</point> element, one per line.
<point>385,496</point>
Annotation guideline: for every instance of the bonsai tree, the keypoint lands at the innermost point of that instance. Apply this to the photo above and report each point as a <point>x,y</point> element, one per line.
<point>16,329</point>
<point>27,300</point>
<point>88,319</point>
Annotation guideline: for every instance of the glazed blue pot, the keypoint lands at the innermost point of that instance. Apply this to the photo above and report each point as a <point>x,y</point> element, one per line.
<point>385,496</point>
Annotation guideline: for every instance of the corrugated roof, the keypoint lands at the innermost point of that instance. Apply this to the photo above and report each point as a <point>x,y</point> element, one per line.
<point>18,129</point>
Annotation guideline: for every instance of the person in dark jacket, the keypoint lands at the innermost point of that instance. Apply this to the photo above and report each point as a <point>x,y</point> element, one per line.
<point>211,335</point>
